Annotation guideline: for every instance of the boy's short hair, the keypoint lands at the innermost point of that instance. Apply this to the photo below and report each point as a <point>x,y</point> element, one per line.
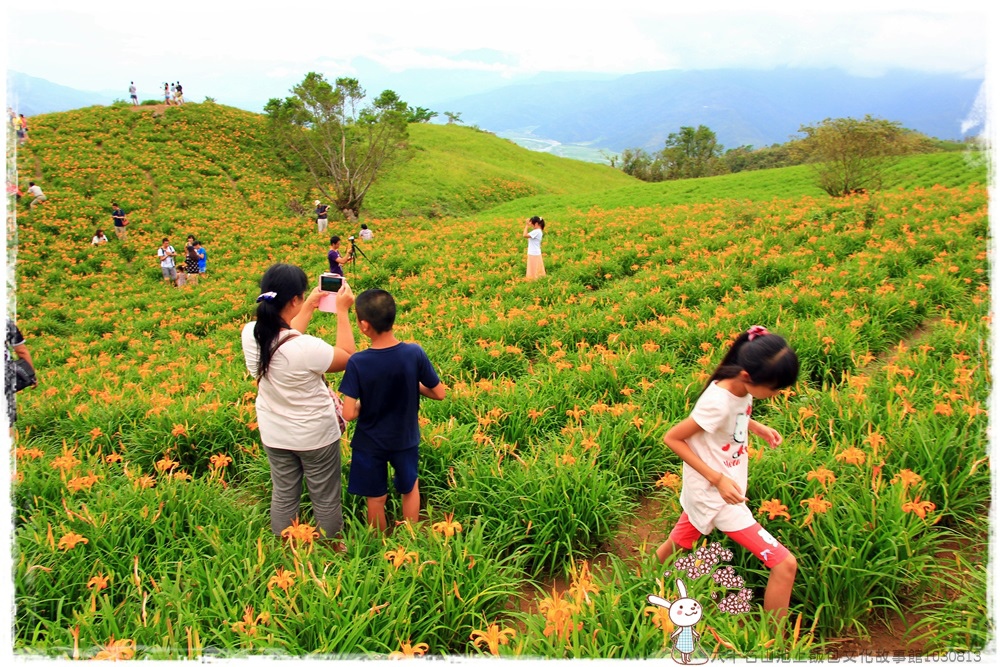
<point>378,308</point>
<point>334,240</point>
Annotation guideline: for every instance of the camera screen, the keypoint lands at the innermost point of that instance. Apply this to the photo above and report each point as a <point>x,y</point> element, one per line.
<point>330,283</point>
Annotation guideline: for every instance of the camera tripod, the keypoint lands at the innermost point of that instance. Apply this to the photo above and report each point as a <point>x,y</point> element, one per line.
<point>355,251</point>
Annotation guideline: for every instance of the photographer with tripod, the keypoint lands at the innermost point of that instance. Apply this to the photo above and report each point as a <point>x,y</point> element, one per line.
<point>334,257</point>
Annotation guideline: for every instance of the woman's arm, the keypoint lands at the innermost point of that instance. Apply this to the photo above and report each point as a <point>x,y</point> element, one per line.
<point>345,346</point>
<point>676,439</point>
<point>301,320</point>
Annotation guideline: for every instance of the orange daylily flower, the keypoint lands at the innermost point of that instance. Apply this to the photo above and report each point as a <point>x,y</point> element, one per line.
<point>661,619</point>
<point>448,527</point>
<point>400,557</point>
<point>852,455</point>
<point>70,540</point>
<point>907,478</point>
<point>248,625</point>
<point>220,460</point>
<point>919,507</point>
<point>300,532</point>
<point>98,582</point>
<point>821,475</point>
<point>492,637</point>
<point>32,453</point>
<point>774,508</point>
<point>408,651</point>
<point>113,457</point>
<point>123,649</point>
<point>282,578</point>
<point>669,481</point>
<point>179,429</point>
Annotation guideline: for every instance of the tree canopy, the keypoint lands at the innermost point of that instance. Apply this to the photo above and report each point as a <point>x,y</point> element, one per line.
<point>344,143</point>
<point>852,155</point>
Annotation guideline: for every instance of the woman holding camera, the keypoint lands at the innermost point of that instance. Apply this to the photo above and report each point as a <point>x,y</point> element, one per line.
<point>533,232</point>
<point>296,411</point>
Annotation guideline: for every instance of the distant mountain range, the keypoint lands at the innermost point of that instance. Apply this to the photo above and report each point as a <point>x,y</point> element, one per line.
<point>743,107</point>
<point>585,116</point>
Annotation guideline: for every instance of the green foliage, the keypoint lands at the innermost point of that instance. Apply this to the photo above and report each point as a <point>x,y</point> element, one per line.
<point>342,145</point>
<point>851,155</point>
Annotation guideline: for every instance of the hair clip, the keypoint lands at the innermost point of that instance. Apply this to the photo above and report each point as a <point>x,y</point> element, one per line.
<point>267,296</point>
<point>755,331</point>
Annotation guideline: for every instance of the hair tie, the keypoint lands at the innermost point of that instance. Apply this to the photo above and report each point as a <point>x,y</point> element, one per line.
<point>755,331</point>
<point>267,296</point>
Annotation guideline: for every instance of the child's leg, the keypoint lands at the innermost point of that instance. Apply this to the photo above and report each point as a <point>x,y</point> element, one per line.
<point>411,504</point>
<point>376,512</point>
<point>683,536</point>
<point>777,559</point>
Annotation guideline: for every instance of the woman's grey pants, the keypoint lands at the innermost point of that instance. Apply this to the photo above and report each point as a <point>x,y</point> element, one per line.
<point>321,470</point>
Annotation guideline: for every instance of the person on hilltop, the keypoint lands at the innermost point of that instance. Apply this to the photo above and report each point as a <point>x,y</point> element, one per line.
<point>133,93</point>
<point>179,94</point>
<point>168,266</point>
<point>297,413</point>
<point>166,94</point>
<point>382,387</point>
<point>36,192</point>
<point>321,216</point>
<point>99,238</point>
<point>119,220</point>
<point>366,234</point>
<point>713,444</point>
<point>533,231</point>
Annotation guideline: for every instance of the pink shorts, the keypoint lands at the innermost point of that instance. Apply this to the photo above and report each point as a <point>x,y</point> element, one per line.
<point>755,538</point>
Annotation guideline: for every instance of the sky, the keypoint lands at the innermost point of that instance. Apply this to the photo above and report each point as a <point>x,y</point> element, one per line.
<point>263,48</point>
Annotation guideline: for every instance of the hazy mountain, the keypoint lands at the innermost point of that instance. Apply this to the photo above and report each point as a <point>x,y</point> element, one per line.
<point>31,95</point>
<point>582,115</point>
<point>756,107</point>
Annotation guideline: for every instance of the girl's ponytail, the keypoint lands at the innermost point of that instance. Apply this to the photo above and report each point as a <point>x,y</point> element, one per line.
<point>280,284</point>
<point>766,357</point>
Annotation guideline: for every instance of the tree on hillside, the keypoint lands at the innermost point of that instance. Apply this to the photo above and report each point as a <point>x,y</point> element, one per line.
<point>691,153</point>
<point>851,155</point>
<point>419,115</point>
<point>343,145</point>
<point>453,116</point>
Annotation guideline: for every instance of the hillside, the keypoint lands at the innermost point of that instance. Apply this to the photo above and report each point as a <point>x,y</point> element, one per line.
<point>169,165</point>
<point>454,171</point>
<point>952,169</point>
<point>140,488</point>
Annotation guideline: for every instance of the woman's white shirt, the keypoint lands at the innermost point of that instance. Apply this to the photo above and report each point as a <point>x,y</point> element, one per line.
<point>294,406</point>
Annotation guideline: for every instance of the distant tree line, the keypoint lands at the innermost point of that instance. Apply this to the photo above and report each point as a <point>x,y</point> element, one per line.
<point>848,155</point>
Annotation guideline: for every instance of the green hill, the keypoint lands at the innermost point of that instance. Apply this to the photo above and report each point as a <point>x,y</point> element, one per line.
<point>168,165</point>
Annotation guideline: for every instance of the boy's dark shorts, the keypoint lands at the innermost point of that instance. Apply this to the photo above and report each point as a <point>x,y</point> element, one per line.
<point>370,478</point>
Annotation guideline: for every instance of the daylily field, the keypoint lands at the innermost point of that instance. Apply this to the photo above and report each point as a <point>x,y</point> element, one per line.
<point>140,490</point>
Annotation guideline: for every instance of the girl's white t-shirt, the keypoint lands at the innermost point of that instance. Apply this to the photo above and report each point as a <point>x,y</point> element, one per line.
<point>722,444</point>
<point>294,406</point>
<point>535,242</point>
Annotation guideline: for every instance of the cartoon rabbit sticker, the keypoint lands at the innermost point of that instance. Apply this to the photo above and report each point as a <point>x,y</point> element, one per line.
<point>685,613</point>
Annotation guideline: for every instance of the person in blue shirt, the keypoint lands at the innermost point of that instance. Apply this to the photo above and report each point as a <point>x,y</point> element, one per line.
<point>202,256</point>
<point>382,386</point>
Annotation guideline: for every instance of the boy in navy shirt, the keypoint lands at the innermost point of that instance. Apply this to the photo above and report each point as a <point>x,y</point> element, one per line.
<point>382,387</point>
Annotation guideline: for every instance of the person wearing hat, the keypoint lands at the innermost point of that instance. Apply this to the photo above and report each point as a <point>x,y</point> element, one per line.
<point>321,221</point>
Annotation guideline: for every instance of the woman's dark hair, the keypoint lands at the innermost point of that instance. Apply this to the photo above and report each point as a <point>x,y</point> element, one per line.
<point>280,284</point>
<point>766,357</point>
<point>536,219</point>
<point>377,307</point>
